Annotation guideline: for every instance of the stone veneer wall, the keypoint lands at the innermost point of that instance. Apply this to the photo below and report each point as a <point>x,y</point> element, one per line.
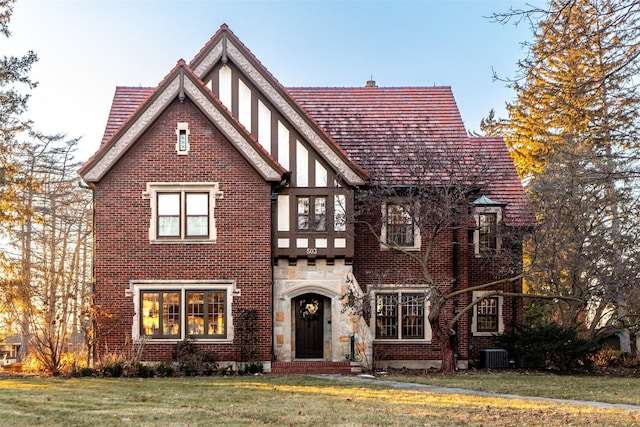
<point>334,282</point>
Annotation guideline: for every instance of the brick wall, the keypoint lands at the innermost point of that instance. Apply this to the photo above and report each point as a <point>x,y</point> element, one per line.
<point>123,250</point>
<point>373,266</point>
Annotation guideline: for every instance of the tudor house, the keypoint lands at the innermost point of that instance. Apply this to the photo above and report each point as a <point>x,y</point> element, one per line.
<point>220,193</point>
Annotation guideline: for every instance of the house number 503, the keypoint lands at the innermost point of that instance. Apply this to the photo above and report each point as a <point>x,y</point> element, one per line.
<point>312,251</point>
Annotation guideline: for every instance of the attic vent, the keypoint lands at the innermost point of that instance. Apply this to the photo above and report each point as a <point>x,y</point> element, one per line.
<point>182,133</point>
<point>370,83</point>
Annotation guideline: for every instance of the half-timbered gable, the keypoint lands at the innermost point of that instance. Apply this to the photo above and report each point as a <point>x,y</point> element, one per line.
<point>311,210</point>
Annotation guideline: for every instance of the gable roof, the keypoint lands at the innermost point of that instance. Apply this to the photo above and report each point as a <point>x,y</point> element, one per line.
<point>225,46</point>
<point>361,132</point>
<point>132,119</point>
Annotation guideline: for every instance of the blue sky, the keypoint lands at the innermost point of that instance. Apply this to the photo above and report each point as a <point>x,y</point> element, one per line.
<point>88,47</point>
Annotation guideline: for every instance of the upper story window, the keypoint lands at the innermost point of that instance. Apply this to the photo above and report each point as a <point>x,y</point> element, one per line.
<point>398,227</point>
<point>312,213</point>
<point>486,236</point>
<point>401,316</point>
<point>488,228</point>
<point>182,212</point>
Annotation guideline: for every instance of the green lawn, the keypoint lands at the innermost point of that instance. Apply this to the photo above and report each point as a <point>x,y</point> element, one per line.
<point>274,400</point>
<point>592,388</point>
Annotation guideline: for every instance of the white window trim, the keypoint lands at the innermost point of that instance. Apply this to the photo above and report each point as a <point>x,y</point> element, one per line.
<point>181,187</point>
<point>476,232</point>
<point>182,286</point>
<point>474,321</point>
<point>417,242</point>
<point>388,289</point>
<point>182,126</point>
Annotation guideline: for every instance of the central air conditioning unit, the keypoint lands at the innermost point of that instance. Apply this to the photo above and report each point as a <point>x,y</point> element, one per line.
<point>496,358</point>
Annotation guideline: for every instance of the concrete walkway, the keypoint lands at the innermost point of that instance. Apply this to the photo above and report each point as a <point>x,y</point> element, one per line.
<point>368,379</point>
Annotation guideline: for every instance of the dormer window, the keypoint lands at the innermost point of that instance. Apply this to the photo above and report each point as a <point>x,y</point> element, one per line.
<point>182,133</point>
<point>486,236</point>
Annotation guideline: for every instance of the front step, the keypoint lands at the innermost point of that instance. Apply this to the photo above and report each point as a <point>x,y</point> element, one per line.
<point>315,367</point>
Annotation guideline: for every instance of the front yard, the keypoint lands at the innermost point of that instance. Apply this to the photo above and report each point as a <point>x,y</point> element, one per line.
<point>305,401</point>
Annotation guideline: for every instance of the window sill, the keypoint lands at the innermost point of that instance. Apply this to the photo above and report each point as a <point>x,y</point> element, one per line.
<point>386,248</point>
<point>485,334</point>
<point>148,340</point>
<point>402,341</point>
<point>182,241</point>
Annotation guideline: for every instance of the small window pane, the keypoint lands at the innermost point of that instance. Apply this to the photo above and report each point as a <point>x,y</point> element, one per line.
<point>197,226</point>
<point>168,204</point>
<point>340,213</point>
<point>197,204</point>
<point>320,213</point>
<point>168,226</point>
<point>303,213</point>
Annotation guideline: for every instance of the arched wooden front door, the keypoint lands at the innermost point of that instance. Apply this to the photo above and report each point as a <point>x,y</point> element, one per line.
<point>309,326</point>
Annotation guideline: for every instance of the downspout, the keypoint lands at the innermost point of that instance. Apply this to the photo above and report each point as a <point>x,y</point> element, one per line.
<point>93,264</point>
<point>284,182</point>
<point>455,271</point>
<point>273,262</point>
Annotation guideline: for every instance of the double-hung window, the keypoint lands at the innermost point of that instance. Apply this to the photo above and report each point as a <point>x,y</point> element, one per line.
<point>486,236</point>
<point>183,215</point>
<point>399,228</point>
<point>182,212</point>
<point>487,314</point>
<point>401,316</point>
<point>487,230</point>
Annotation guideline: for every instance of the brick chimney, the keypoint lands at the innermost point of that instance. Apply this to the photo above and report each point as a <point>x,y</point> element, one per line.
<point>370,83</point>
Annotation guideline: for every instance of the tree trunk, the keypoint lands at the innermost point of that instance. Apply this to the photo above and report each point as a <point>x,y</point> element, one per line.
<point>448,353</point>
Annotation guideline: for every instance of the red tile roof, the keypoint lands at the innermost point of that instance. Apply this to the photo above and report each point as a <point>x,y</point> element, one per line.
<point>377,127</point>
<point>125,101</point>
<point>376,124</point>
<point>415,135</point>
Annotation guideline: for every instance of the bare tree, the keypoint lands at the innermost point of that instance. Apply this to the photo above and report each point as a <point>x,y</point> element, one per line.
<point>432,188</point>
<point>53,245</point>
